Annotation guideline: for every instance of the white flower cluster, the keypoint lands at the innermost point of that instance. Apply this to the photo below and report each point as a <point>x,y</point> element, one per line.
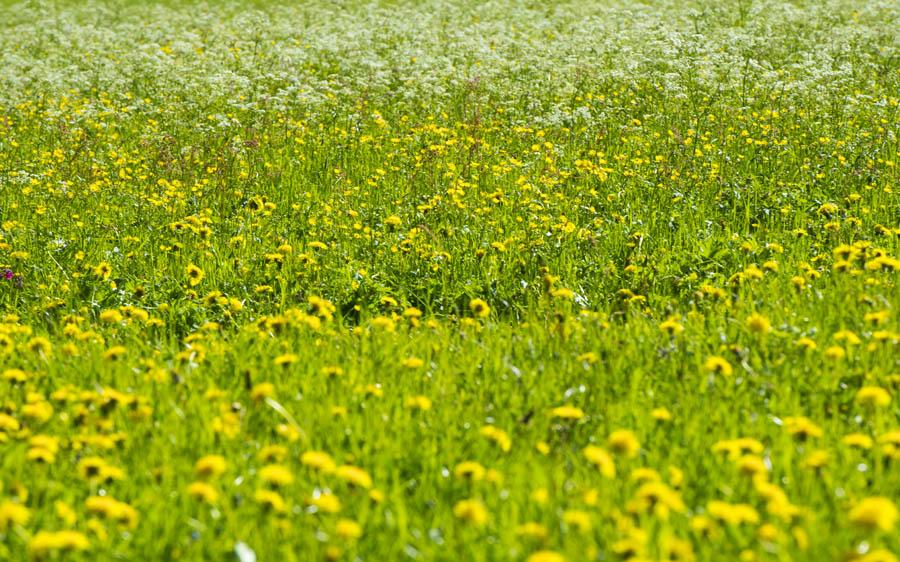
<point>523,55</point>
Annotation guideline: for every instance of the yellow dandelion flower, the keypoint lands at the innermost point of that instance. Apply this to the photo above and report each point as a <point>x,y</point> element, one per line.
<point>471,511</point>
<point>873,396</point>
<point>661,414</point>
<point>276,475</point>
<point>418,403</point>
<point>533,530</point>
<point>286,359</point>
<point>43,542</point>
<point>210,466</point>
<point>270,500</point>
<point>195,275</point>
<point>733,514</point>
<point>858,441</point>
<point>412,363</point>
<point>718,365</point>
<point>354,475</point>
<point>13,514</point>
<point>623,442</point>
<point>115,353</point>
<point>802,427</point>
<point>203,491</point>
<point>262,391</point>
<point>111,316</point>
<point>758,323</point>
<point>498,436</point>
<point>479,308</point>
<point>348,529</point>
<point>469,470</point>
<point>600,458</point>
<point>326,503</point>
<point>578,520</point>
<point>567,412</point>
<point>318,460</point>
<point>875,513</point>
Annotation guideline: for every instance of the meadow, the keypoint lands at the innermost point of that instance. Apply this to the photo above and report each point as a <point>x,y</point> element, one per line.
<point>447,280</point>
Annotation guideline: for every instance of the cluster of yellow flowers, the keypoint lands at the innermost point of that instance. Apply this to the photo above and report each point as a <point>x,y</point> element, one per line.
<point>490,283</point>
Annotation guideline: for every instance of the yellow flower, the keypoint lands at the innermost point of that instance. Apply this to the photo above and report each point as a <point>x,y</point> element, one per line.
<point>96,469</point>
<point>103,270</point>
<point>318,460</point>
<point>733,514</point>
<point>546,556</point>
<point>479,308</point>
<point>115,353</point>
<point>210,466</point>
<point>46,541</point>
<point>718,365</point>
<point>533,530</point>
<point>326,503</point>
<point>195,275</point>
<point>498,436</point>
<point>286,359</point>
<point>471,511</point>
<point>671,326</point>
<point>751,465</point>
<point>412,363</point>
<point>875,513</point>
<point>276,475</point>
<point>661,414</point>
<point>879,555</point>
<point>418,403</point>
<point>835,353</point>
<point>802,427</point>
<point>13,514</point>
<point>759,323</point>
<point>600,458</point>
<point>540,496</point>
<point>658,498</point>
<point>816,459</point>
<point>562,293</point>
<point>111,316</point>
<point>858,440</point>
<point>322,308</point>
<point>15,375</point>
<point>348,529</point>
<point>262,391</point>
<point>877,318</point>
<point>567,412</point>
<point>588,357</point>
<point>272,453</point>
<point>354,475</point>
<point>873,396</point>
<point>112,509</point>
<point>331,371</point>
<point>577,519</point>
<point>203,491</point>
<point>806,343</point>
<point>39,346</point>
<point>270,500</point>
<point>65,512</point>
<point>623,442</point>
<point>469,470</point>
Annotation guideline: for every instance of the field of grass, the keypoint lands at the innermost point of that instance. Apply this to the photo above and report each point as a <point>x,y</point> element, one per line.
<point>450,280</point>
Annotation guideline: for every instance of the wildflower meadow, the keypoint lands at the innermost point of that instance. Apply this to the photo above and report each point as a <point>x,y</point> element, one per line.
<point>447,280</point>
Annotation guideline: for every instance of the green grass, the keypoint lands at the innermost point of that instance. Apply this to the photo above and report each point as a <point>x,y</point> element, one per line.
<point>224,229</point>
